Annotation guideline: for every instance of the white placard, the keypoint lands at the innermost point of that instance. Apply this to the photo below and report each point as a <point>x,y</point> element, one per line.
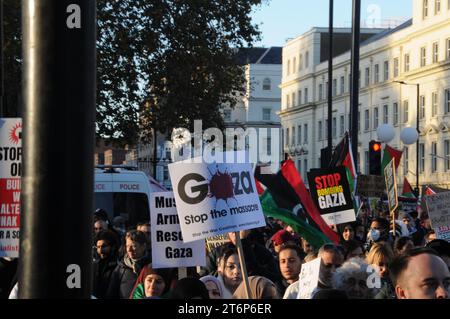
<point>10,185</point>
<point>168,248</point>
<point>439,211</point>
<point>214,199</point>
<point>309,278</point>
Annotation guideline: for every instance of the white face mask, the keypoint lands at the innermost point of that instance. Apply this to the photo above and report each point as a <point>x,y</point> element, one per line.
<point>374,234</point>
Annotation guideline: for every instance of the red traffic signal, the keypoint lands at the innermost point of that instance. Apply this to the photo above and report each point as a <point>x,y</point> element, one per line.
<point>374,158</point>
<point>376,146</point>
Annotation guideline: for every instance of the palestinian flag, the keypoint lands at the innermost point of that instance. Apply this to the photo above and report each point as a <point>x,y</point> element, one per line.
<point>407,190</point>
<point>313,236</point>
<point>429,191</point>
<point>388,155</point>
<point>342,156</point>
<point>288,190</point>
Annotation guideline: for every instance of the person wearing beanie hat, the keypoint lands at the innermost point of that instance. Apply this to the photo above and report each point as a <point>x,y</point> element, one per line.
<point>280,238</point>
<point>153,282</point>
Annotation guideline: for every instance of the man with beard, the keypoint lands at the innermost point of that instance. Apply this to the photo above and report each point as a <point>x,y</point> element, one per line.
<point>106,248</point>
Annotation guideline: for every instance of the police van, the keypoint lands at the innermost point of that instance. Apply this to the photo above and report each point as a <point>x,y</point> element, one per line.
<point>124,191</point>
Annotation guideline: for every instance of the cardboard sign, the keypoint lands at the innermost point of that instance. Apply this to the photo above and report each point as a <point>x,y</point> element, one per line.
<point>370,186</point>
<point>10,185</point>
<point>391,185</point>
<point>214,199</point>
<point>309,278</point>
<point>216,241</point>
<point>168,248</point>
<point>331,192</point>
<point>438,206</point>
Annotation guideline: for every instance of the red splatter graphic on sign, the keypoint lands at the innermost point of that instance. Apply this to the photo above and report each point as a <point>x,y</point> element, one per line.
<point>15,135</point>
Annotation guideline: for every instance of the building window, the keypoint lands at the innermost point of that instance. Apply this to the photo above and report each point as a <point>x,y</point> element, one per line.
<point>359,121</point>
<point>366,162</point>
<point>425,9</point>
<point>395,105</point>
<point>299,166</point>
<point>306,59</point>
<point>266,114</point>
<point>266,84</point>
<point>269,145</point>
<point>299,97</point>
<point>342,84</point>
<point>395,67</point>
<point>447,154</point>
<point>359,79</point>
<point>377,74</point>
<point>422,107</point>
<point>386,70</point>
<point>423,56</point>
<point>385,114</point>
<point>334,87</point>
<point>294,65</point>
<point>288,101</point>
<point>326,90</point>
<point>366,120</point>
<point>367,81</point>
<point>375,118</point>
<point>293,136</point>
<point>166,173</point>
<point>405,111</point>
<point>299,134</point>
<point>447,101</point>
<point>421,158</point>
<point>342,125</point>
<point>334,127</point>
<point>437,6</point>
<point>320,92</point>
<point>287,136</point>
<point>320,131</point>
<point>435,52</point>
<point>305,167</point>
<point>433,157</point>
<point>406,62</point>
<point>288,72</point>
<point>300,62</point>
<point>227,115</point>
<point>306,95</point>
<point>434,103</point>
<point>305,135</point>
<point>405,161</point>
<point>447,54</point>
<point>293,99</point>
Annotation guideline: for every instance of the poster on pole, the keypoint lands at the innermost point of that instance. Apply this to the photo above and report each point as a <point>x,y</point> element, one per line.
<point>438,206</point>
<point>10,185</point>
<point>330,190</point>
<point>391,185</point>
<point>215,198</point>
<point>309,278</point>
<point>168,248</point>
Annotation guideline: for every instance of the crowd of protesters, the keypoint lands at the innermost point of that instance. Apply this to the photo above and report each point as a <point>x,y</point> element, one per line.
<point>372,261</point>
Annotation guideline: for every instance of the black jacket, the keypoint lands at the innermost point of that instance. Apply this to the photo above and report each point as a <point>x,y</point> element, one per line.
<point>8,276</point>
<point>123,279</point>
<point>103,270</point>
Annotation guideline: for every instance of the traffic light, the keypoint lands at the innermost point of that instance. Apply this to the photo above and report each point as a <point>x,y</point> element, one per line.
<point>374,158</point>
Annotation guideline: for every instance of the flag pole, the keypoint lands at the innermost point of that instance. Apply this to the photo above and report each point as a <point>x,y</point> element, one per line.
<point>243,266</point>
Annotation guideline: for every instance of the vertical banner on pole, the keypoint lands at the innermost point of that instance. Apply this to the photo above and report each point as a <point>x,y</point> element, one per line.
<point>10,185</point>
<point>391,188</point>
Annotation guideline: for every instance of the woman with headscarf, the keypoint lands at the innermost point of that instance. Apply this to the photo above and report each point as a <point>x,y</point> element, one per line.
<point>153,283</point>
<point>214,286</point>
<point>260,288</point>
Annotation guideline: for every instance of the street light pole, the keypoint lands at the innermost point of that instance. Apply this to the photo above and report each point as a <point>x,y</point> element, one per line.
<point>417,143</point>
<point>330,83</point>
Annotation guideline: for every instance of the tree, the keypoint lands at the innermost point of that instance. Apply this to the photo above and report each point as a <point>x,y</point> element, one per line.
<point>174,60</point>
<point>160,64</point>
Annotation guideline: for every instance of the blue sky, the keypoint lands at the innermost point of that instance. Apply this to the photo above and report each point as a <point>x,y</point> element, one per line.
<point>283,19</point>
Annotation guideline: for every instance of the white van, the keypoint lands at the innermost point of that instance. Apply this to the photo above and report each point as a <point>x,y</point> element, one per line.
<point>124,191</point>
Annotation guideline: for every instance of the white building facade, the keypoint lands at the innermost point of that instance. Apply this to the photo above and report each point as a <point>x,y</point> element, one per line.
<point>416,52</point>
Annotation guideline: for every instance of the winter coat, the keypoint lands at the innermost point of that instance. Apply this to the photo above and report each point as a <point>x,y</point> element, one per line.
<point>103,270</point>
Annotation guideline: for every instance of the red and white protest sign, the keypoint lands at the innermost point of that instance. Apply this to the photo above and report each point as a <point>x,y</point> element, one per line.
<point>10,185</point>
